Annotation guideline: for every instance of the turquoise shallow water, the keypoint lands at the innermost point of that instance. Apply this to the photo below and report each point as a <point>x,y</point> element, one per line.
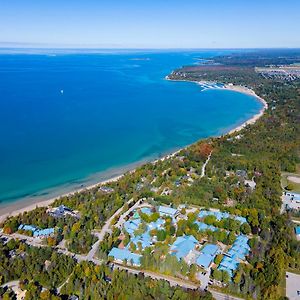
<point>66,117</point>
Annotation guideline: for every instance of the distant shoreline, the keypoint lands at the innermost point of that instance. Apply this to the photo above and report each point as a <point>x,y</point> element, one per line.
<point>234,88</point>
<point>18,207</point>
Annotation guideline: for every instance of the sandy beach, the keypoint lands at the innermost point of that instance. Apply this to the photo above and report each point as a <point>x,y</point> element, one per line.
<point>22,206</point>
<point>250,92</point>
<point>28,205</point>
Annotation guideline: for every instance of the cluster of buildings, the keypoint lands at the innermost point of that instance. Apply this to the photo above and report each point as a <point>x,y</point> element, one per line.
<point>189,249</point>
<point>287,73</point>
<point>186,247</point>
<point>140,241</point>
<point>220,216</point>
<point>36,232</point>
<point>237,253</point>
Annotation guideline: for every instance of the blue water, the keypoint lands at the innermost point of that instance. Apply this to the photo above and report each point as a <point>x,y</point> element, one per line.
<point>115,109</point>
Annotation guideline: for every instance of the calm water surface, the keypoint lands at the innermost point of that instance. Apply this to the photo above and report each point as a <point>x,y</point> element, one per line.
<point>65,117</point>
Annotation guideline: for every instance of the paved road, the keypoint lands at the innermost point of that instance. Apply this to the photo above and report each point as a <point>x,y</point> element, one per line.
<point>11,284</point>
<point>105,229</point>
<point>36,242</point>
<point>221,296</point>
<point>137,205</point>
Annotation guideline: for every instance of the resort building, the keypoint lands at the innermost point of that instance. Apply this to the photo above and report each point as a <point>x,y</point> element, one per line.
<point>146,210</point>
<point>183,245</point>
<point>142,241</point>
<point>168,211</point>
<point>220,216</point>
<point>207,256</point>
<point>203,227</point>
<point>132,225</point>
<point>106,189</point>
<point>158,224</point>
<point>238,252</point>
<point>61,211</point>
<point>121,255</point>
<point>36,232</point>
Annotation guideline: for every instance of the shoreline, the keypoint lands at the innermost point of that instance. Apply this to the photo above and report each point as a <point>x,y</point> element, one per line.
<point>20,206</point>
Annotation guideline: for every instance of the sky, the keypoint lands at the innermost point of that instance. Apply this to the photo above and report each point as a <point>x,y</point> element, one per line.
<point>150,24</point>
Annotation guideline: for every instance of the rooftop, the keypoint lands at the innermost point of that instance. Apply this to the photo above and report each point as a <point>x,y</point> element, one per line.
<point>204,260</point>
<point>183,245</point>
<point>122,254</point>
<point>165,210</point>
<point>210,249</point>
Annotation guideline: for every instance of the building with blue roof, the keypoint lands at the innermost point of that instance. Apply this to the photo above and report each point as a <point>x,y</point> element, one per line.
<point>144,240</point>
<point>204,261</point>
<point>146,210</point>
<point>158,224</point>
<point>239,250</point>
<point>220,216</point>
<point>242,220</point>
<point>225,215</point>
<point>202,226</point>
<point>120,255</point>
<point>43,232</point>
<point>183,245</point>
<point>132,225</point>
<point>36,231</point>
<point>203,214</point>
<point>168,211</point>
<point>207,255</point>
<point>27,227</point>
<point>210,249</point>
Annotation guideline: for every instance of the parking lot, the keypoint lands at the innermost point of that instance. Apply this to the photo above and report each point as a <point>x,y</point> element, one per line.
<point>292,286</point>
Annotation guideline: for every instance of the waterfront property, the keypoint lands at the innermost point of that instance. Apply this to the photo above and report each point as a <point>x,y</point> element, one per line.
<point>62,211</point>
<point>149,228</point>
<point>106,189</point>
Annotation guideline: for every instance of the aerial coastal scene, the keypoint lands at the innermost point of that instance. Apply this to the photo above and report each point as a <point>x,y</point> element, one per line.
<point>140,162</point>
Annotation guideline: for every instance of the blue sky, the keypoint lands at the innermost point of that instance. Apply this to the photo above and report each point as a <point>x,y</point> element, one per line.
<point>150,24</point>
